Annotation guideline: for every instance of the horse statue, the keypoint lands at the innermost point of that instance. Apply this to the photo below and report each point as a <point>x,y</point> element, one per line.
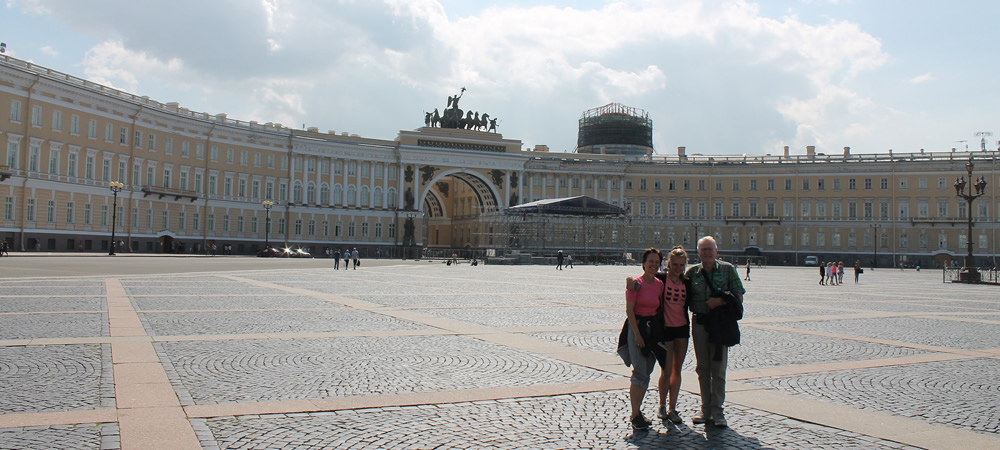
<point>427,119</point>
<point>436,118</point>
<point>464,123</point>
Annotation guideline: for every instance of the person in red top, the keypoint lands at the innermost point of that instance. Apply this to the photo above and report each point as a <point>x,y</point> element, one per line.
<point>641,307</point>
<point>678,328</point>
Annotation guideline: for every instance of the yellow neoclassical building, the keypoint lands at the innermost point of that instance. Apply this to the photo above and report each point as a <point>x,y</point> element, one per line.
<point>193,180</point>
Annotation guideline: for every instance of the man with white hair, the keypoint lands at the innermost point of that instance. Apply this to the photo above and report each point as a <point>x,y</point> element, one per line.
<point>708,280</point>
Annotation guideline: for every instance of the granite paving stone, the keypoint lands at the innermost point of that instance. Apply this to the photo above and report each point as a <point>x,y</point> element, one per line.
<point>235,371</point>
<point>914,330</point>
<point>973,388</point>
<point>52,304</point>
<point>103,436</point>
<point>590,420</point>
<point>528,316</point>
<point>55,378</point>
<point>248,322</point>
<point>217,302</point>
<point>52,325</point>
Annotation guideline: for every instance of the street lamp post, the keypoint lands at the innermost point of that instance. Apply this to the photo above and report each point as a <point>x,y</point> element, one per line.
<point>875,227</point>
<point>116,187</point>
<point>267,223</point>
<point>969,272</point>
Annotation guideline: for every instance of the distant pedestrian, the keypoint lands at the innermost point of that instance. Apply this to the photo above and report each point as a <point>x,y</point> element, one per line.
<point>347,258</point>
<point>336,260</point>
<point>569,261</point>
<point>822,273</point>
<point>857,271</point>
<point>354,256</point>
<point>747,278</point>
<point>5,248</point>
<point>559,260</point>
<point>840,273</point>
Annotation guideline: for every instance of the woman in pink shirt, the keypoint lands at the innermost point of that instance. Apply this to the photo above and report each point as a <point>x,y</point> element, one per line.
<point>642,306</point>
<point>678,328</point>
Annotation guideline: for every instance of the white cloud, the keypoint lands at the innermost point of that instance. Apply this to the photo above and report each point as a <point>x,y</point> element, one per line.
<point>48,50</point>
<point>374,67</point>
<point>923,78</point>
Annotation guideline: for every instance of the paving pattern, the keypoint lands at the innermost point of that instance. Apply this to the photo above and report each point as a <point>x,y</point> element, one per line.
<point>56,377</point>
<point>419,355</point>
<point>76,436</point>
<point>239,371</point>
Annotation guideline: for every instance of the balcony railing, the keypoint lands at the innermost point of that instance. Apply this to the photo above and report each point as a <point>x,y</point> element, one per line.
<point>169,192</point>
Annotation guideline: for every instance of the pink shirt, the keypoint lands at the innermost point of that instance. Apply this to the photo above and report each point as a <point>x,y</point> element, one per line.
<point>673,304</point>
<point>647,300</point>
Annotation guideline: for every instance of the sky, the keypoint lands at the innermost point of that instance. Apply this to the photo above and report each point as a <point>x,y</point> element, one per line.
<point>719,77</point>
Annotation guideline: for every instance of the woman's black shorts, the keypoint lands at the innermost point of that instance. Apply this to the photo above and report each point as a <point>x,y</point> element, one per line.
<point>681,332</point>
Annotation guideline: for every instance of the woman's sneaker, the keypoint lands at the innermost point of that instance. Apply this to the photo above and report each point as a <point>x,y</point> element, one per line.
<point>639,423</point>
<point>674,417</point>
<point>662,412</point>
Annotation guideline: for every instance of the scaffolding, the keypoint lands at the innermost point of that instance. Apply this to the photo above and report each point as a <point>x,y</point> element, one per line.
<point>590,239</point>
<point>615,129</point>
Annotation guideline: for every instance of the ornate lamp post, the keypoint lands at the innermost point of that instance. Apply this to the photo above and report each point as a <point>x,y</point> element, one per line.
<point>116,187</point>
<point>267,223</point>
<point>969,272</point>
<point>875,227</point>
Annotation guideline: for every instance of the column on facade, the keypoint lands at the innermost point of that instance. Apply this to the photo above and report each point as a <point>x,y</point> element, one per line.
<point>416,187</point>
<point>621,190</point>
<point>520,186</point>
<point>400,185</point>
<point>531,186</point>
<point>385,185</point>
<point>506,192</point>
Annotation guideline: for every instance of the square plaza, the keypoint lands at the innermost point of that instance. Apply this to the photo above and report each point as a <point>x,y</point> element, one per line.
<point>192,352</point>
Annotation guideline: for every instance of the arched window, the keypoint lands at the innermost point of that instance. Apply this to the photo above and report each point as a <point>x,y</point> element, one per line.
<point>338,195</point>
<point>297,192</point>
<point>311,193</point>
<point>364,197</point>
<point>324,194</point>
<point>391,198</point>
<point>351,197</point>
<point>378,197</point>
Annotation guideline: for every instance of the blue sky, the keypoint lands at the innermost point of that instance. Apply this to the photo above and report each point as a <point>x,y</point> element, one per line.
<point>716,76</point>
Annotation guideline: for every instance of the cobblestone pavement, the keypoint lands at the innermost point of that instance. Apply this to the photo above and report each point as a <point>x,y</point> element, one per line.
<point>420,355</point>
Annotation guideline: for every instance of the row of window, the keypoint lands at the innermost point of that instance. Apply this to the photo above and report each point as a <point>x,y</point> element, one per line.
<point>807,239</point>
<point>864,210</point>
<point>564,181</point>
<point>195,223</point>
<point>151,144</point>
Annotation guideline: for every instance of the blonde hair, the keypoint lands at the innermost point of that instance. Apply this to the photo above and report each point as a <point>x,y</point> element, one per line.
<point>678,251</point>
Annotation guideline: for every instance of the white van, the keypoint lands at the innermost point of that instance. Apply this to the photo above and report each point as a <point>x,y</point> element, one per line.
<point>812,261</point>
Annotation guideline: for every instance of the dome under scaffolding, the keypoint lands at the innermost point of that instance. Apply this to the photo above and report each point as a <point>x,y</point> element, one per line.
<point>615,129</point>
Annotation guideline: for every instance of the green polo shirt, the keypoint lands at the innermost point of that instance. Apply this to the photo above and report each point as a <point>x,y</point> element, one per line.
<point>724,277</point>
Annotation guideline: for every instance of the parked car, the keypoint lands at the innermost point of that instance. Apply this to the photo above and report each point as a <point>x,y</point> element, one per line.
<point>300,253</point>
<point>270,252</point>
<point>812,260</point>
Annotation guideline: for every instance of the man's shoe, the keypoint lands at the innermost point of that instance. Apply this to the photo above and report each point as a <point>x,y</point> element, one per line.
<point>720,421</point>
<point>662,412</point>
<point>639,423</point>
<point>674,417</point>
<point>700,419</point>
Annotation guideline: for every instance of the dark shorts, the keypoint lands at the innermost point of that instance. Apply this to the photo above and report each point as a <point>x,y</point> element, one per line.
<point>681,332</point>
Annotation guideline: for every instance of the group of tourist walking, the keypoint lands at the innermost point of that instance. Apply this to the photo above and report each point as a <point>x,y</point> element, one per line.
<point>832,273</point>
<point>658,327</point>
<point>349,256</point>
